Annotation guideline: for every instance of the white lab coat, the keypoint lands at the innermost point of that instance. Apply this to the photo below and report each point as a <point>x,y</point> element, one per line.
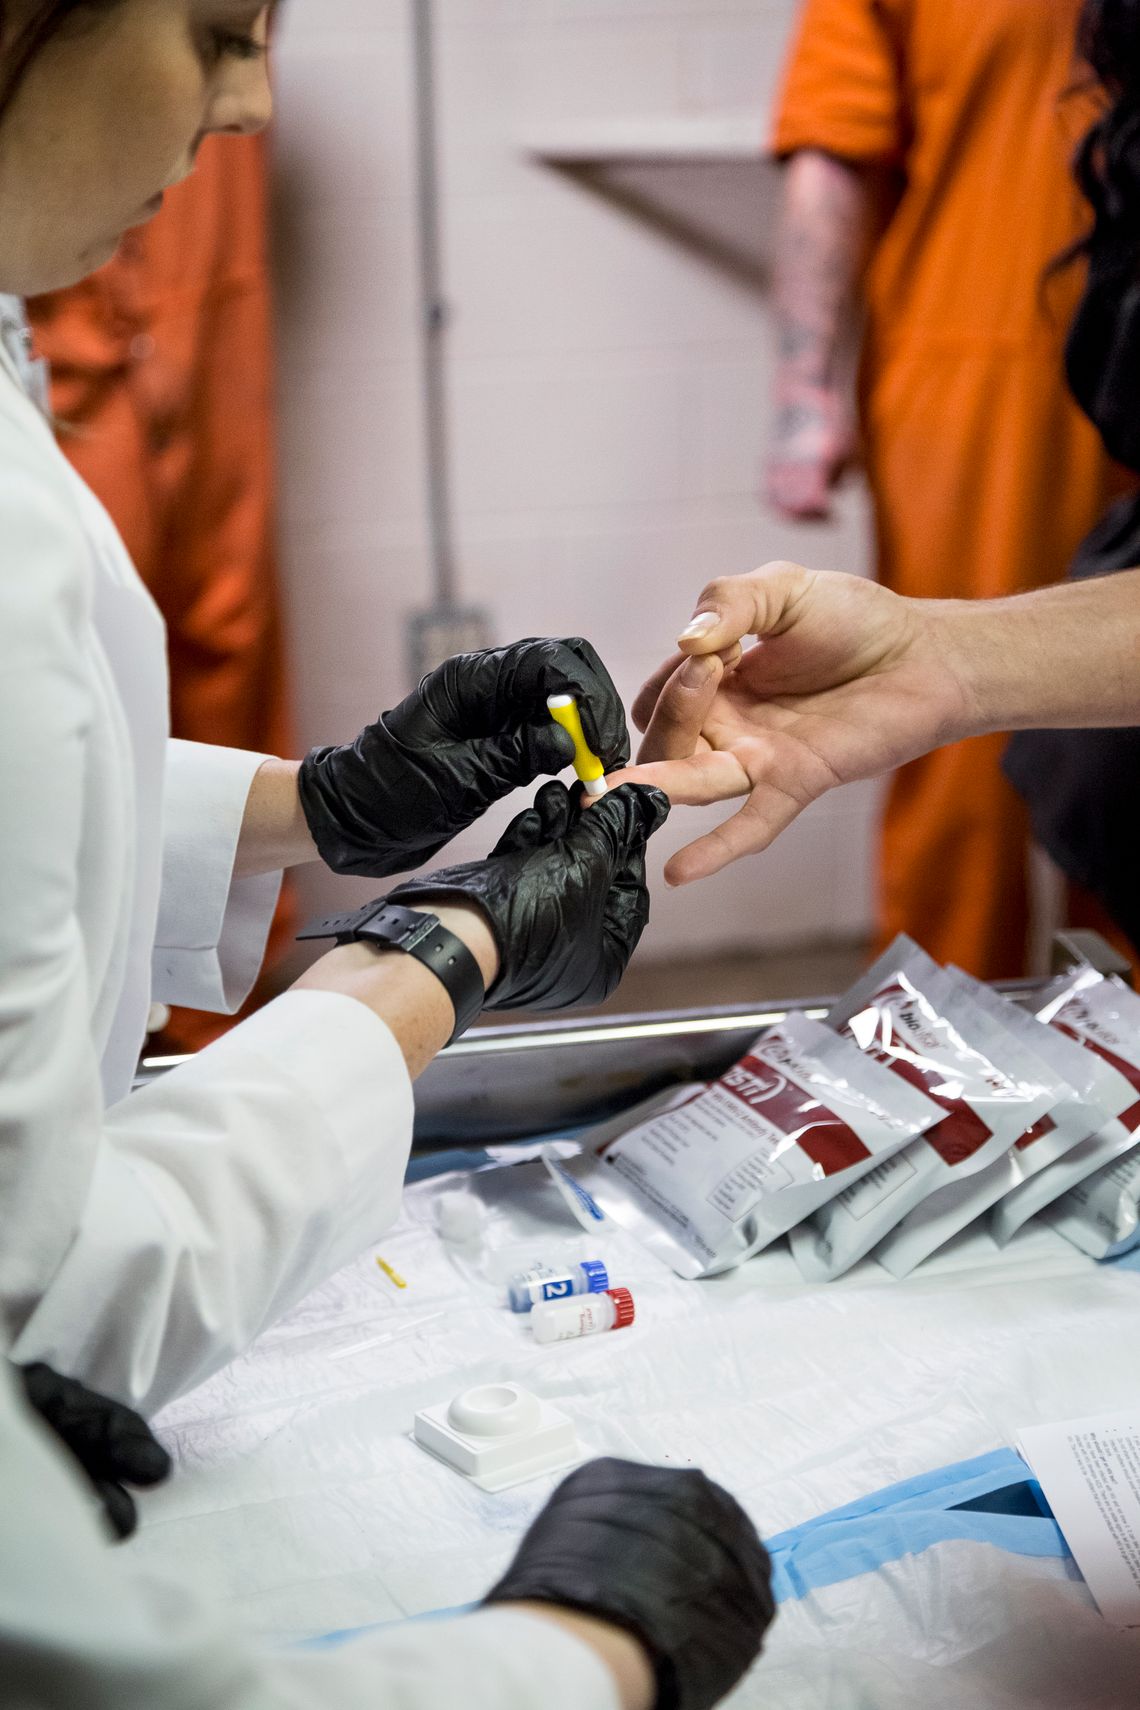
<point>145,1239</point>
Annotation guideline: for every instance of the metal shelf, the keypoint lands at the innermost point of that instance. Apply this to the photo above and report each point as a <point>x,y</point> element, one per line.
<point>710,137</point>
<point>513,1082</point>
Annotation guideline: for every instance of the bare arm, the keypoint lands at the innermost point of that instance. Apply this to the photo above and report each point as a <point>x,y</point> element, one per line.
<point>1061,658</point>
<point>831,212</point>
<point>401,991</point>
<point>624,1656</point>
<point>274,832</point>
<point>849,680</point>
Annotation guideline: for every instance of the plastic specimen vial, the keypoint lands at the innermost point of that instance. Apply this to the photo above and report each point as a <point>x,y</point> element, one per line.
<point>546,1282</point>
<point>563,1320</point>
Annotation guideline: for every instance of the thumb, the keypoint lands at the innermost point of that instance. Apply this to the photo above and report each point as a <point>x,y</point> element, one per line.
<point>544,823</point>
<point>674,728</point>
<point>761,603</point>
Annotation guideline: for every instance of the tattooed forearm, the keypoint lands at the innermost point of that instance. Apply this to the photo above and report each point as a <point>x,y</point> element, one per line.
<point>825,237</point>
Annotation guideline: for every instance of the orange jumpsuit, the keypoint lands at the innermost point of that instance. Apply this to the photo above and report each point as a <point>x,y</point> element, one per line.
<point>162,381</point>
<point>984,475</point>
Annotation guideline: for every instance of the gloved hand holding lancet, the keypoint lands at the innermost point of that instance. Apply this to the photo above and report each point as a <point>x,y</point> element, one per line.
<point>564,890</point>
<point>475,729</point>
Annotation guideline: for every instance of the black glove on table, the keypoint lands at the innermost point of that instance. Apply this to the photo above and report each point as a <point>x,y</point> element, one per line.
<point>666,1554</point>
<point>476,728</point>
<point>564,890</point>
<point>112,1443</point>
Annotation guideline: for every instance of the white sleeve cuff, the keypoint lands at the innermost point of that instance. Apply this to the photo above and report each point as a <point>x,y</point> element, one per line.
<point>212,928</point>
<point>226,1190</point>
<point>498,1659</point>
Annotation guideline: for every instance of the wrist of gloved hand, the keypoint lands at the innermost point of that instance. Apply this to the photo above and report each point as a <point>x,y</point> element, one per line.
<point>666,1554</point>
<point>565,894</point>
<point>475,729</point>
<point>113,1444</point>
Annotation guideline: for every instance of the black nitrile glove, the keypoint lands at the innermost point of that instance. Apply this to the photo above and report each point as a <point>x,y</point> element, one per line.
<point>475,729</point>
<point>564,890</point>
<point>112,1443</point>
<point>666,1554</point>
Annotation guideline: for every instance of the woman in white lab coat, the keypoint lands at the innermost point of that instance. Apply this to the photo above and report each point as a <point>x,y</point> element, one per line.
<point>150,1237</point>
<point>145,1239</point>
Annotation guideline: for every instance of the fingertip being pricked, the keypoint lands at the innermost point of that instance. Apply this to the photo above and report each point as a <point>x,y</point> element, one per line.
<point>699,670</point>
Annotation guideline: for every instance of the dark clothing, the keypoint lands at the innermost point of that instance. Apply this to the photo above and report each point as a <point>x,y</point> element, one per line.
<point>1082,787</point>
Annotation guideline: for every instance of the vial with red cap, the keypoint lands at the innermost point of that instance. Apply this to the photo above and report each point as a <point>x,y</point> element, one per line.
<point>583,1315</point>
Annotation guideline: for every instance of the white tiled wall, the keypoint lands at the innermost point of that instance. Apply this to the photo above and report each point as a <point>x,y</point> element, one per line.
<point>608,385</point>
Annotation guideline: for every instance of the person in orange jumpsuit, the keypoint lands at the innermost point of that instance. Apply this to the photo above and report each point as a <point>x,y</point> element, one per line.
<point>928,185</point>
<point>162,385</point>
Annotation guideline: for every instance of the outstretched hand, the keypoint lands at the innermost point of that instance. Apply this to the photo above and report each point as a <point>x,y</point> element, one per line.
<point>846,681</point>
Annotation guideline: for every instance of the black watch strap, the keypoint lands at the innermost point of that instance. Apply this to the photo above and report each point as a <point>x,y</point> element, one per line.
<point>423,936</point>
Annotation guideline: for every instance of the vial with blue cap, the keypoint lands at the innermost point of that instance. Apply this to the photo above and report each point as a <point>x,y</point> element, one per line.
<point>544,1282</point>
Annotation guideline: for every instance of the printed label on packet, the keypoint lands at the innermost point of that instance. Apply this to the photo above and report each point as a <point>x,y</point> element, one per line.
<point>1059,1149</point>
<point>1040,1131</point>
<point>1100,1213</point>
<point>902,1032</point>
<point>1032,1198</point>
<point>729,1167</point>
<point>728,1149</point>
<point>1031,1052</point>
<point>914,1019</point>
<point>985,1021</point>
<point>877,1186</point>
<point>1095,1017</point>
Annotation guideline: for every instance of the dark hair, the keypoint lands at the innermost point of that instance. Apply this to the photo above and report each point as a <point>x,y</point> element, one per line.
<point>1107,163</point>
<point>44,21</point>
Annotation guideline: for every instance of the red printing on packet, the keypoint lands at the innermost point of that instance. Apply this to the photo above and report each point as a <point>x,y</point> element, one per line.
<point>962,1132</point>
<point>1044,1125</point>
<point>1131,1116</point>
<point>821,1135</point>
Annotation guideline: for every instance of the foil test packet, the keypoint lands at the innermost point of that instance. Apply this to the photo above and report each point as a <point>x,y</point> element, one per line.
<point>1104,1096</point>
<point>911,1017</point>
<point>1101,1213</point>
<point>709,1174</point>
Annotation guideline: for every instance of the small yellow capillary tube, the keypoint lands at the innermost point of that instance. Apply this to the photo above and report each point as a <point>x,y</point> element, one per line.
<point>563,710</point>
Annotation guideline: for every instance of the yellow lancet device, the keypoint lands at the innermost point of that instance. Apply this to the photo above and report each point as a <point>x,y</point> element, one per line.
<point>563,710</point>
